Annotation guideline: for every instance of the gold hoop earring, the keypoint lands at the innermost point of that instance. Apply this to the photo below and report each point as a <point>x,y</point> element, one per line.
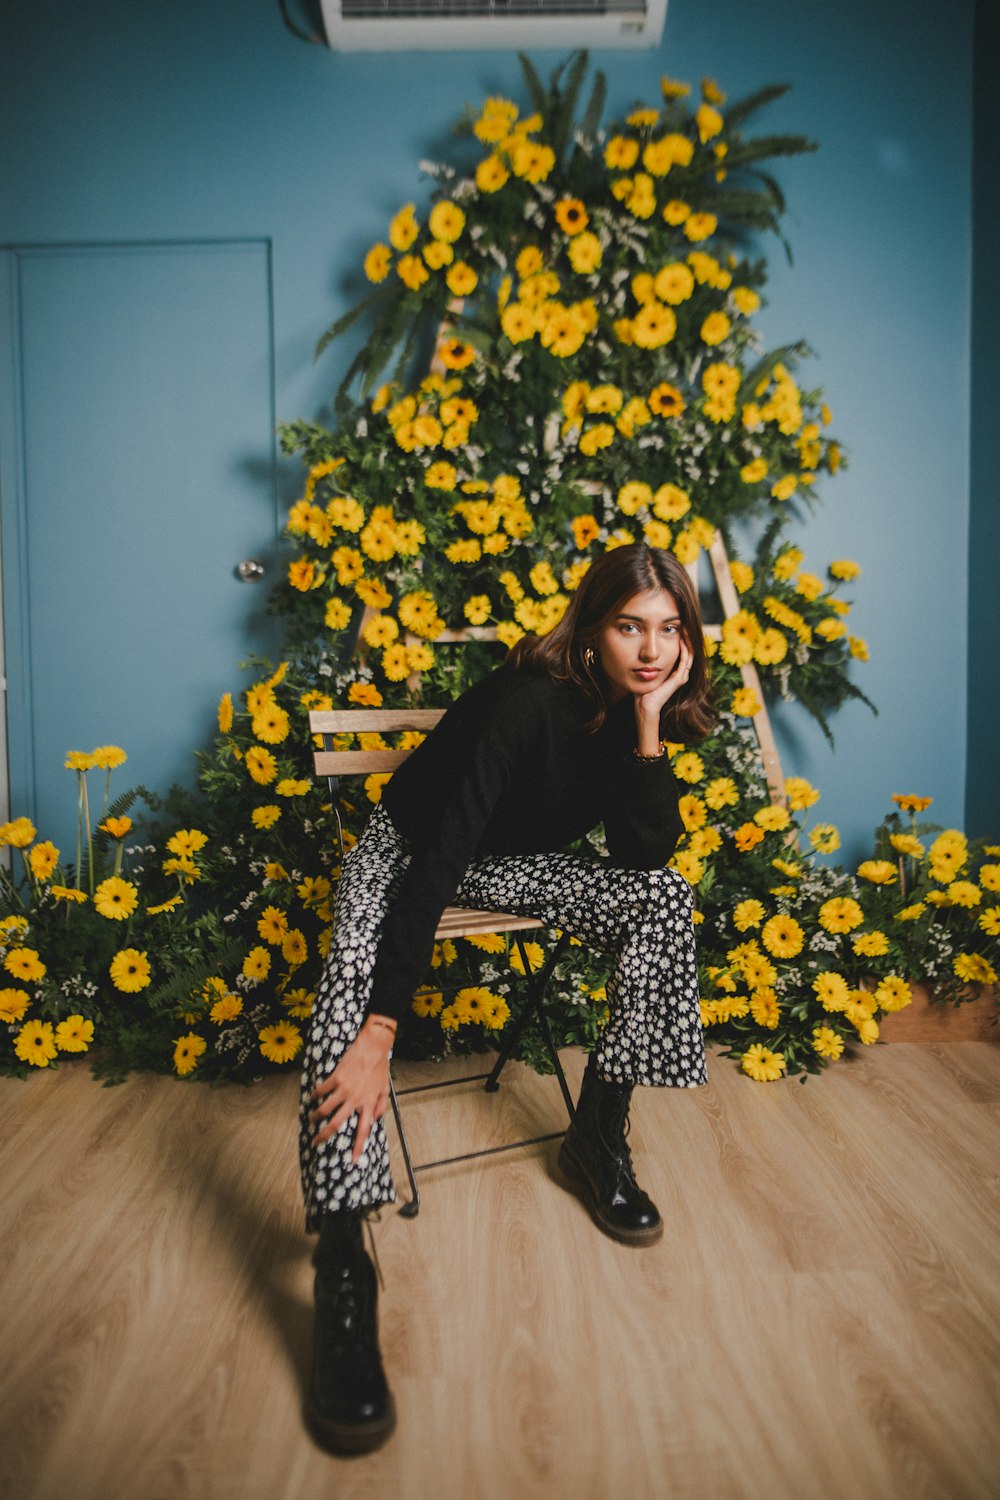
<point>589,656</point>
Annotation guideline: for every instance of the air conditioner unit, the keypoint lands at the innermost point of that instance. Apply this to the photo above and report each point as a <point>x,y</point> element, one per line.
<point>474,25</point>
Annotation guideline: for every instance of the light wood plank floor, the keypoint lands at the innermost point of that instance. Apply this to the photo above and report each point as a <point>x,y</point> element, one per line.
<point>820,1321</point>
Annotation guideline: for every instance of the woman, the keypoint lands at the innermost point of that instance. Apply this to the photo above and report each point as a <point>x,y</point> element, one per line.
<point>567,734</point>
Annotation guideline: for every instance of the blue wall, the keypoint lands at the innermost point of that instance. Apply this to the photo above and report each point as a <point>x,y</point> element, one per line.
<point>983,794</point>
<point>177,120</point>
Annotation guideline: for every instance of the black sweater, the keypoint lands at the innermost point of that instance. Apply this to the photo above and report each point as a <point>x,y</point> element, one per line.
<point>512,769</point>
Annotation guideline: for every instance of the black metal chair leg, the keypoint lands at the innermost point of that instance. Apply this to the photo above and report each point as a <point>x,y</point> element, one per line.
<point>411,1209</point>
<point>535,1003</point>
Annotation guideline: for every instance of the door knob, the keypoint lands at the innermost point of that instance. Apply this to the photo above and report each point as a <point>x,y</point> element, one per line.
<point>250,570</point>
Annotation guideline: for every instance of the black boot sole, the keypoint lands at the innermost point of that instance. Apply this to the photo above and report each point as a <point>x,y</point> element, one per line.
<point>348,1439</point>
<point>580,1184</point>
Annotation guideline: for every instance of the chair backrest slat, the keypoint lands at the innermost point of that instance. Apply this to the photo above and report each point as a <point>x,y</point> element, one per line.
<point>370,720</point>
<point>354,762</point>
<point>329,761</point>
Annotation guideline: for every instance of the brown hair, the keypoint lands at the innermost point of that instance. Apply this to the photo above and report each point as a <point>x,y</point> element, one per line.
<point>606,586</point>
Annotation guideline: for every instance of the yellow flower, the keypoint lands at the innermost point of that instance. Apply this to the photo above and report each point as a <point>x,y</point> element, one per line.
<point>43,859</point>
<point>108,757</point>
<point>419,657</point>
<point>964,893</point>
<point>226,1008</point>
<point>799,793</point>
<point>911,913</point>
<point>585,253</point>
<point>265,817</point>
<point>404,229</point>
<point>116,898</point>
<point>536,957</point>
<point>973,968</point>
<point>754,471</point>
<point>700,226</point>
<point>654,325</point>
<point>13,1004</point>
<point>747,837</point>
<point>782,936</point>
<point>75,1034</point>
<point>687,863</point>
<point>746,300</point>
<point>24,963</point>
<point>67,893</point>
<point>893,993</point>
<point>130,971</point>
<point>294,949</point>
<point>476,1004</point>
<point>747,913</point>
<point>720,793</point>
<point>116,828</point>
<point>827,1043</point>
<point>989,921</point>
<point>772,817</point>
<point>261,765</point>
<point>571,215</point>
<point>746,703</point>
<point>621,153</point>
<point>596,438</point>
<point>878,871</point>
<point>765,1009</point>
<point>377,262</point>
<point>761,1064</point>
<point>412,272</point>
<point>446,221</point>
<point>168,905</point>
<point>832,990</point>
<point>715,328</point>
<point>272,925</point>
<point>989,877</point>
<point>910,803</point>
<point>187,842</point>
<point>454,354</point>
<point>491,175</point>
<point>840,914</point>
<point>271,724</point>
<point>871,944</point>
<point>257,964</point>
<point>846,570</point>
<point>427,1002</point>
<point>443,953</point>
<point>187,1050</point>
<point>289,787</point>
<point>36,1043</point>
<point>689,767</point>
<point>740,633</point>
<point>395,663</point>
<point>225,713</point>
<point>20,832</point>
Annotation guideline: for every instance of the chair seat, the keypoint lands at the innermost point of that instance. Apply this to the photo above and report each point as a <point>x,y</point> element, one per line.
<point>464,921</point>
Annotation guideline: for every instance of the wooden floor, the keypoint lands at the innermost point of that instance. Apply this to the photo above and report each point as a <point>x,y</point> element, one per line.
<point>822,1318</point>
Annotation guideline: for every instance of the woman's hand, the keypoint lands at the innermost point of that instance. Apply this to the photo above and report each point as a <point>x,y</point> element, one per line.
<point>359,1084</point>
<point>649,706</point>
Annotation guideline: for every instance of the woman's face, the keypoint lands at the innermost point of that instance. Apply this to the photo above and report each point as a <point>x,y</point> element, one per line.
<point>638,649</point>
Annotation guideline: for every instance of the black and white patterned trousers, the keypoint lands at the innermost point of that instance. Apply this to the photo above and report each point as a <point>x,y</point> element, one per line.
<point>643,917</point>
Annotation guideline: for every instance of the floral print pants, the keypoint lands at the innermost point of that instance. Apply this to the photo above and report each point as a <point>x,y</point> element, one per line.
<point>642,917</point>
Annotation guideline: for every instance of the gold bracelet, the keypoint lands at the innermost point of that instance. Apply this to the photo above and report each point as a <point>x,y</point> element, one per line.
<point>658,756</point>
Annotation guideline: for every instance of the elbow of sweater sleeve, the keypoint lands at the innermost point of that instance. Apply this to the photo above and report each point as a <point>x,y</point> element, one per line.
<point>644,825</point>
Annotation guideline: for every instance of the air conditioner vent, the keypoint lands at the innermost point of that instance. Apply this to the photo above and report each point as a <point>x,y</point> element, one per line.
<point>445,10</point>
<point>433,25</point>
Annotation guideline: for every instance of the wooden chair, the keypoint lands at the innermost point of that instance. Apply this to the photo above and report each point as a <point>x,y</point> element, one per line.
<point>456,921</point>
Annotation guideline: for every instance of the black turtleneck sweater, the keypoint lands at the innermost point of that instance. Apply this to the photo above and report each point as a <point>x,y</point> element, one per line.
<point>512,769</point>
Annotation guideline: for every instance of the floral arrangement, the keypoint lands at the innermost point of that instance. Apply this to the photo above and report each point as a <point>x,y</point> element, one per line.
<point>597,379</point>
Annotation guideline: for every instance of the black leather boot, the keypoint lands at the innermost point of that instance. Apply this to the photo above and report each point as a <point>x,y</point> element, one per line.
<point>596,1159</point>
<point>349,1405</point>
